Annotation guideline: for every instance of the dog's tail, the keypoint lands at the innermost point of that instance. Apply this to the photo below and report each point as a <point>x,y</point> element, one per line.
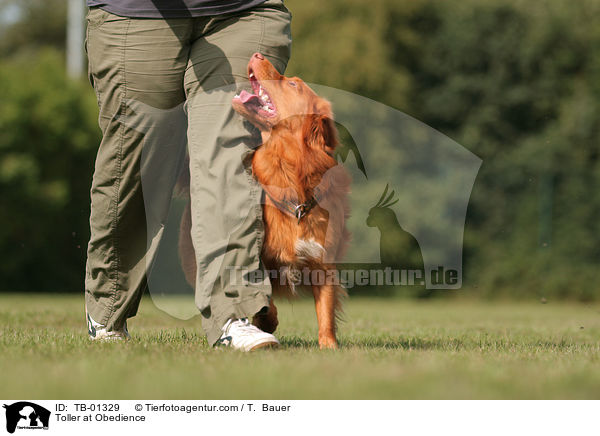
<point>187,255</point>
<point>182,187</point>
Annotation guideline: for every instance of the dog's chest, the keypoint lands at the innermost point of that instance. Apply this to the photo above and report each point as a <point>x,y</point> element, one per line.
<point>308,250</point>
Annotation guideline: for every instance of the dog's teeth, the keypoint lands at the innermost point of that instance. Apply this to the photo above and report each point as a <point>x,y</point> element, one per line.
<point>251,74</point>
<point>260,92</point>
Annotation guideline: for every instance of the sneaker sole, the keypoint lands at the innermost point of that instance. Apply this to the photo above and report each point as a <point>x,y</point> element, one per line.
<point>110,339</point>
<point>267,345</point>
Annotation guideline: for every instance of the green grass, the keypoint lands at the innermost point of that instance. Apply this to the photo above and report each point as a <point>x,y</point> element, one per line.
<point>389,349</point>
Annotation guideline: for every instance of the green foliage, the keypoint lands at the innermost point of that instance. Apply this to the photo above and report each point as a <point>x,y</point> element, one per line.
<point>356,46</point>
<point>48,136</point>
<point>517,84</point>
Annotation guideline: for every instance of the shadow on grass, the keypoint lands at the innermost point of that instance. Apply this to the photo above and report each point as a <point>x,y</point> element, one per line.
<point>439,344</point>
<point>378,343</point>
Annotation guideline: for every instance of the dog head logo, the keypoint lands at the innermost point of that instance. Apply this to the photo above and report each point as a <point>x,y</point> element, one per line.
<point>26,415</point>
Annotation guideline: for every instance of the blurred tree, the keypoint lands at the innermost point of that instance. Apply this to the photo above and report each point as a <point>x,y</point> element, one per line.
<point>48,138</point>
<point>517,83</point>
<point>355,46</point>
<point>40,23</point>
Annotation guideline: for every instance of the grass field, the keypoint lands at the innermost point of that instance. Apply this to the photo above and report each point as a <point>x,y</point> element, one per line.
<point>389,349</point>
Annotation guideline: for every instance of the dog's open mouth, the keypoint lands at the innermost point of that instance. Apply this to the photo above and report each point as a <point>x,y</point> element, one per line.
<point>258,101</point>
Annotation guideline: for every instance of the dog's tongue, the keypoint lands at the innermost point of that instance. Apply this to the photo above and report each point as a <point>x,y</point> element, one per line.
<point>245,96</point>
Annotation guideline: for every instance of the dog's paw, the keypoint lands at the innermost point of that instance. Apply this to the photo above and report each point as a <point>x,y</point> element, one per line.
<point>328,343</point>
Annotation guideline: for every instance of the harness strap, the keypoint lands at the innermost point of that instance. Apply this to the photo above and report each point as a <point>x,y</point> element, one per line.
<point>297,210</point>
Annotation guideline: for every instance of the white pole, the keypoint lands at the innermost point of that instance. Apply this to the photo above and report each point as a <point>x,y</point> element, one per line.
<point>75,38</point>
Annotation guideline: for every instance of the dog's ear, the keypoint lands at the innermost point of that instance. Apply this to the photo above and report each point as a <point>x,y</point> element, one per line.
<point>319,132</point>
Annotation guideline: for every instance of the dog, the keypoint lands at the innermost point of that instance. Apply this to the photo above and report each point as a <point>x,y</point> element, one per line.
<point>305,206</point>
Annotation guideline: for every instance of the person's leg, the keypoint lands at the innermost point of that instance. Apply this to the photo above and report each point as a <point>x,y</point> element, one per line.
<point>136,67</point>
<point>225,199</point>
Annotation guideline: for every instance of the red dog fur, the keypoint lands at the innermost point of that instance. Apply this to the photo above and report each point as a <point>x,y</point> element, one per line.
<point>296,157</point>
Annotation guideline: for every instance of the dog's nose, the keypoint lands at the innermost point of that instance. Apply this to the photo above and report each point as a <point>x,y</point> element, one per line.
<point>258,56</point>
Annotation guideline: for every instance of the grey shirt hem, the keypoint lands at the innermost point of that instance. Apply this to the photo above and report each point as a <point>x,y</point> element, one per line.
<point>183,12</point>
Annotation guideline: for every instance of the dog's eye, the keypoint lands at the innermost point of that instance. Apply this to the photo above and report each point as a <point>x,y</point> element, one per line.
<point>292,84</point>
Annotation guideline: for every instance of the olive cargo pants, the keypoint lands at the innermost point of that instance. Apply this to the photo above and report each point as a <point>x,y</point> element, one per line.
<point>143,67</point>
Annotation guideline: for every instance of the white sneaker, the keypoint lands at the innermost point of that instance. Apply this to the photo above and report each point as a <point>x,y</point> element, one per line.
<point>243,336</point>
<point>98,332</point>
